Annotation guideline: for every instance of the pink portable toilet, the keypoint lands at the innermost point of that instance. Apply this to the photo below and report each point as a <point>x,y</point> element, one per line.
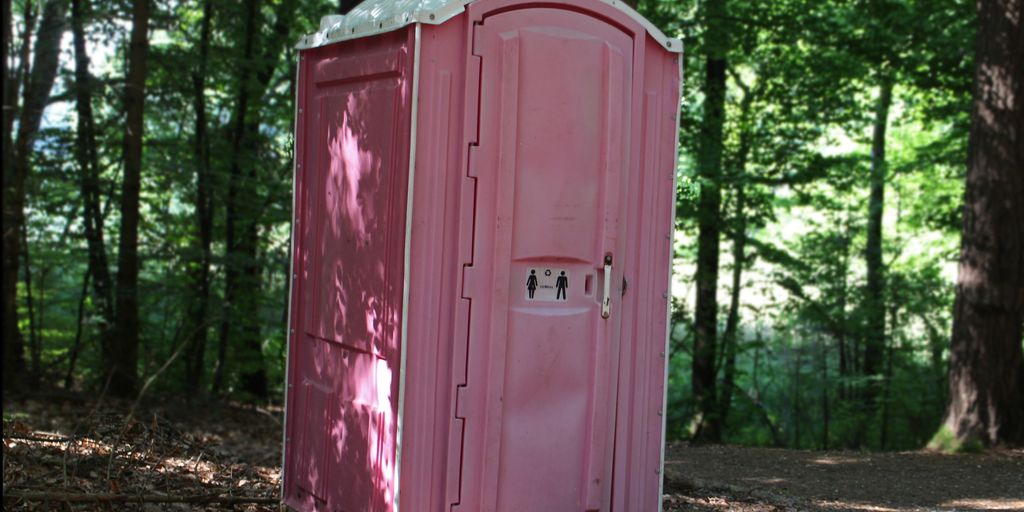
<point>484,196</point>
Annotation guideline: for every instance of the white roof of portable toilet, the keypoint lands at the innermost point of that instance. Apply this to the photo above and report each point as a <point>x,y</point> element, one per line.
<point>378,16</point>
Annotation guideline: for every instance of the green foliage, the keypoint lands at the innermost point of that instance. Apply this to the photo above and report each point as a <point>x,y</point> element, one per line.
<point>802,82</point>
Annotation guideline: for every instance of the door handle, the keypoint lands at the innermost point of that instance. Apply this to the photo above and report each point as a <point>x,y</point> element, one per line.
<point>606,303</point>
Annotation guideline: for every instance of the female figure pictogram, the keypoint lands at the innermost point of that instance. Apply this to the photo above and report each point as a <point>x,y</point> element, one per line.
<point>531,283</point>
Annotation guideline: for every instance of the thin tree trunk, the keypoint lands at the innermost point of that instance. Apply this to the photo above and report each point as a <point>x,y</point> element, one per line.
<point>874,333</point>
<point>825,411</point>
<point>35,351</point>
<point>709,163</point>
<point>739,240</point>
<point>841,340</point>
<point>755,398</point>
<point>794,391</point>
<point>234,178</point>
<point>887,390</point>
<point>123,359</point>
<point>730,336</point>
<point>79,327</point>
<point>242,277</point>
<point>89,169</point>
<point>36,94</point>
<point>986,366</point>
<point>204,211</point>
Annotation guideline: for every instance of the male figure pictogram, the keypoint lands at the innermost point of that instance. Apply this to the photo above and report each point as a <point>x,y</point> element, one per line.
<point>560,285</point>
<point>531,283</point>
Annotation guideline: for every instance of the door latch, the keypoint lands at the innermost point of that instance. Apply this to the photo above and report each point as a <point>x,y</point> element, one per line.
<point>606,303</point>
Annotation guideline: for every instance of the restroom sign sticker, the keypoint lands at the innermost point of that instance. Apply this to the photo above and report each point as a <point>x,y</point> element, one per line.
<point>546,284</point>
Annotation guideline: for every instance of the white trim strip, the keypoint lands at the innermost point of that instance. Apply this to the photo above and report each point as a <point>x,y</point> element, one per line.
<point>408,254</point>
<point>671,264</point>
<point>291,268</point>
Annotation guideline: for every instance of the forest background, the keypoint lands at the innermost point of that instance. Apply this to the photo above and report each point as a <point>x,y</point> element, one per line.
<point>821,221</point>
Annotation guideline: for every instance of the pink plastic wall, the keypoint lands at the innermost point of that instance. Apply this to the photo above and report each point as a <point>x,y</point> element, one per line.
<point>545,138</point>
<point>352,151</point>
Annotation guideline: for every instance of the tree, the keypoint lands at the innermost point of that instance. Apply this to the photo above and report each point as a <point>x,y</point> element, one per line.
<point>122,356</point>
<point>239,326</point>
<point>874,332</point>
<point>986,368</point>
<point>709,157</point>
<point>35,83</point>
<point>204,209</point>
<point>89,170</point>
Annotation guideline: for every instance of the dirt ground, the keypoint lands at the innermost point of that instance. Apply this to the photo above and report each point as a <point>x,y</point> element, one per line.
<point>765,479</point>
<point>60,446</point>
<point>68,445</point>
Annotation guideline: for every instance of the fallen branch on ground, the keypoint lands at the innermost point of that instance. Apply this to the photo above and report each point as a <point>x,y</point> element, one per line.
<point>135,498</point>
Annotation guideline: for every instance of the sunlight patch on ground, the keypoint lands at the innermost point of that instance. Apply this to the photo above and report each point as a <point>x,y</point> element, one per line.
<point>986,503</point>
<point>836,461</point>
<point>846,505</point>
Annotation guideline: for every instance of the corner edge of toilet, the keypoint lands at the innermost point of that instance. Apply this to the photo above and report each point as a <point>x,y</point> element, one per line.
<point>481,247</point>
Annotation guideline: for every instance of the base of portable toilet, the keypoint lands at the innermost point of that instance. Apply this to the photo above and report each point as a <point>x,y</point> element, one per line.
<point>482,238</point>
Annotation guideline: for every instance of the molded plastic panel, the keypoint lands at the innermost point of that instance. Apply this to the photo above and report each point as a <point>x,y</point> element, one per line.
<point>550,168</point>
<point>344,351</point>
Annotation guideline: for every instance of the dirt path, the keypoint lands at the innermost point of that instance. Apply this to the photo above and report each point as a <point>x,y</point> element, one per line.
<point>71,445</point>
<point>763,479</point>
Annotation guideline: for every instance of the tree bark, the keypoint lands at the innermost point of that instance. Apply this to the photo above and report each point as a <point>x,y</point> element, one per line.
<point>709,163</point>
<point>36,94</point>
<point>123,357</point>
<point>204,211</point>
<point>986,368</point>
<point>739,240</point>
<point>732,322</point>
<point>231,284</point>
<point>89,169</point>
<point>34,348</point>
<point>13,362</point>
<point>79,327</point>
<point>874,331</point>
<point>842,343</point>
<point>242,277</point>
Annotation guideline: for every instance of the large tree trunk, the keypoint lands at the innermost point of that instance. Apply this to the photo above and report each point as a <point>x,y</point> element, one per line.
<point>986,371</point>
<point>89,167</point>
<point>709,163</point>
<point>36,95</point>
<point>13,346</point>
<point>12,349</point>
<point>874,329</point>
<point>122,359</point>
<point>194,362</point>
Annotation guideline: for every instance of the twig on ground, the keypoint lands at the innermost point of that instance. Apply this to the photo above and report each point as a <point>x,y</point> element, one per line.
<point>145,387</point>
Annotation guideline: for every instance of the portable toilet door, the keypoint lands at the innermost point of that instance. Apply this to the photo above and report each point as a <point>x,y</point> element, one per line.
<point>482,240</point>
